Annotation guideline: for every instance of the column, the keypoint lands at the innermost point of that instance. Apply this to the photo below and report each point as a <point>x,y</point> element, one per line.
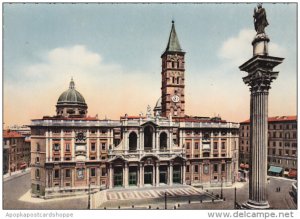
<point>61,177</point>
<point>259,79</point>
<point>171,174</point>
<point>153,140</point>
<point>142,140</point>
<point>126,174</point>
<point>110,176</point>
<point>73,177</point>
<point>47,178</point>
<point>51,146</point>
<point>157,140</point>
<point>141,175</point>
<point>192,172</point>
<point>73,145</point>
<point>98,146</point>
<point>87,144</point>
<point>192,148</point>
<point>157,174</point>
<point>183,173</point>
<point>62,148</point>
<point>98,175</point>
<point>138,176</point>
<point>47,146</point>
<point>153,175</point>
<point>170,140</point>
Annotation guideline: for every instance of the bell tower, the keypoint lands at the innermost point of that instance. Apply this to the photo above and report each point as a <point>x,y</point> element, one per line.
<point>172,89</point>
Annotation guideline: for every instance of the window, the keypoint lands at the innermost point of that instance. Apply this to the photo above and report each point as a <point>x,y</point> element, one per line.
<point>196,155</point>
<point>223,145</point>
<point>56,174</point>
<point>103,146</point>
<point>215,177</point>
<point>188,168</point>
<point>103,131</point>
<point>223,167</point>
<point>188,145</point>
<point>93,146</point>
<point>196,168</point>
<point>37,187</point>
<point>196,145</point>
<point>216,145</point>
<point>38,147</point>
<point>103,171</point>
<point>274,134</point>
<point>67,147</point>
<point>37,173</point>
<point>37,159</point>
<point>287,152</point>
<point>93,172</point>
<point>93,131</point>
<point>273,151</point>
<point>215,167</point>
<point>274,144</point>
<point>68,173</point>
<point>56,146</point>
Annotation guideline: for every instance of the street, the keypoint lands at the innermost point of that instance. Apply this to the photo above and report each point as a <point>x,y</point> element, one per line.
<point>15,188</point>
<point>16,196</point>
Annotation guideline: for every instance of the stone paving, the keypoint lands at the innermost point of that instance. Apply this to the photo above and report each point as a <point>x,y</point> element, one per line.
<point>149,196</point>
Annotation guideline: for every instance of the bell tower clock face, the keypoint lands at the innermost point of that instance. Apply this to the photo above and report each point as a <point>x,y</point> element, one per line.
<point>175,99</point>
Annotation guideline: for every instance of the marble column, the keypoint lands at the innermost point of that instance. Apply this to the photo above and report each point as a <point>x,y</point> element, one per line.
<point>126,174</point>
<point>171,174</point>
<point>183,173</point>
<point>259,78</point>
<point>157,173</point>
<point>110,176</point>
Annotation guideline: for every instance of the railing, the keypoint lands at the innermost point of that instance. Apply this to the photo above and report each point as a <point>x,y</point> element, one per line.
<point>211,125</point>
<point>80,123</point>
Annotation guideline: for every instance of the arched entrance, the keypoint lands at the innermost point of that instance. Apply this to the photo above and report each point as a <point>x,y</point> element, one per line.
<point>163,138</point>
<point>132,141</point>
<point>148,138</point>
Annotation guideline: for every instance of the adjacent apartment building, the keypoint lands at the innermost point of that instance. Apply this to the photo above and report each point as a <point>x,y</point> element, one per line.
<point>16,151</point>
<point>282,145</point>
<point>72,152</point>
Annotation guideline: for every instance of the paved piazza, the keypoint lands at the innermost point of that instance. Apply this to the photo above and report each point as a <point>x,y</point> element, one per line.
<point>152,193</point>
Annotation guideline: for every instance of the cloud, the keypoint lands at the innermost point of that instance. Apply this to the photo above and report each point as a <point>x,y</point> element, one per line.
<point>238,49</point>
<point>107,88</point>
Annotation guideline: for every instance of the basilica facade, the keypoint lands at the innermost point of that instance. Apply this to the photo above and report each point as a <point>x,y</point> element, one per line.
<point>73,153</point>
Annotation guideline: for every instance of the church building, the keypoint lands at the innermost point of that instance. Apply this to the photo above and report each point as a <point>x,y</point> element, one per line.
<point>72,152</point>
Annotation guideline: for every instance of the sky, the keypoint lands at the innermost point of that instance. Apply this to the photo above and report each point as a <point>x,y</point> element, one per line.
<point>113,51</point>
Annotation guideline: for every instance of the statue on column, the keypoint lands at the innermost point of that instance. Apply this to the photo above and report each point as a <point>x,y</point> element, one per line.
<point>260,19</point>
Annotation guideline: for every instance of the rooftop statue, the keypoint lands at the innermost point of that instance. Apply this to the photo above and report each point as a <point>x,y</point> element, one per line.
<point>260,19</point>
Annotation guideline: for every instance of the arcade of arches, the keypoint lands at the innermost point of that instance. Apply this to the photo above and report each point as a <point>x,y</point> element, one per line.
<point>148,171</point>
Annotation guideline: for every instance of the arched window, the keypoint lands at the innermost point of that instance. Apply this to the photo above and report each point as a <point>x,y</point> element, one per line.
<point>132,141</point>
<point>148,137</point>
<point>37,173</point>
<point>173,80</point>
<point>163,141</point>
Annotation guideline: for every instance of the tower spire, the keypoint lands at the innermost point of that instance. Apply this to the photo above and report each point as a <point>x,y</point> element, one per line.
<point>173,43</point>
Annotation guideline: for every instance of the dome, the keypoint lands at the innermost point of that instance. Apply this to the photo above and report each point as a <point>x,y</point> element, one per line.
<point>71,103</point>
<point>71,96</point>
